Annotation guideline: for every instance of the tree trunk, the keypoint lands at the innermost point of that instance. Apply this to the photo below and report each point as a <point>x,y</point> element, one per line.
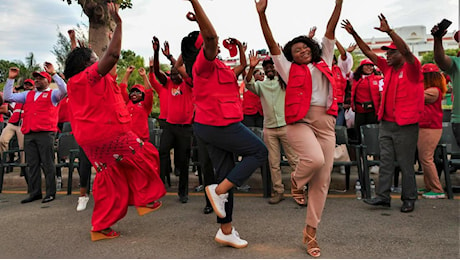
<point>100,24</point>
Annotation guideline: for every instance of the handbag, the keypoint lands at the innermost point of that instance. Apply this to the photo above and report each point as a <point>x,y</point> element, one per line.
<point>350,118</point>
<point>341,153</point>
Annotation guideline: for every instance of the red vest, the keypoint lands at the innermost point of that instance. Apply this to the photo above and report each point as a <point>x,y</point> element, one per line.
<point>18,113</point>
<point>98,111</point>
<point>217,96</point>
<point>341,83</point>
<point>432,114</point>
<point>39,115</point>
<point>372,82</point>
<point>251,103</point>
<point>63,110</point>
<point>299,91</point>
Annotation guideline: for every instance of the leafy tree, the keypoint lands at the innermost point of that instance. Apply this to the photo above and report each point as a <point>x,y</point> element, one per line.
<point>25,69</point>
<point>429,56</point>
<point>62,48</point>
<point>100,22</point>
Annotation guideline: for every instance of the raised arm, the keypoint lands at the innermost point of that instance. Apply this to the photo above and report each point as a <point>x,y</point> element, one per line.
<point>128,73</point>
<point>253,61</point>
<point>332,23</point>
<point>207,31</point>
<point>243,63</point>
<point>398,41</point>
<point>168,54</point>
<point>156,62</point>
<point>444,62</point>
<point>343,53</point>
<point>261,6</point>
<point>112,54</point>
<point>361,44</point>
<point>73,40</point>
<point>143,74</point>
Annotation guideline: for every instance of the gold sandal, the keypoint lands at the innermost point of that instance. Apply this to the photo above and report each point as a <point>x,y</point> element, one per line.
<point>308,239</point>
<point>107,233</point>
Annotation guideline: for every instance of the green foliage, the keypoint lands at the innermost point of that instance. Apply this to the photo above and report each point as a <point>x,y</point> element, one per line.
<point>123,3</point>
<point>62,48</point>
<point>25,69</point>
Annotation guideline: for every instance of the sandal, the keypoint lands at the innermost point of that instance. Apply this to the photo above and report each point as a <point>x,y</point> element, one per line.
<point>107,233</point>
<point>313,250</point>
<point>149,208</point>
<point>297,194</point>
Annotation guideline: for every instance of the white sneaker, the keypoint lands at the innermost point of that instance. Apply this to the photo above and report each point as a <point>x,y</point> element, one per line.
<point>342,170</point>
<point>374,169</point>
<point>232,239</point>
<point>217,201</point>
<point>82,201</point>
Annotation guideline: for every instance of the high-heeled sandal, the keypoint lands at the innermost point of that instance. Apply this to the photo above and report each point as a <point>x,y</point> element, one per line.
<point>297,194</point>
<point>314,250</point>
<point>107,233</point>
<point>149,208</point>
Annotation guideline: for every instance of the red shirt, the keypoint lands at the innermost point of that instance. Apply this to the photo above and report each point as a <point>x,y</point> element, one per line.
<point>432,113</point>
<point>64,111</point>
<point>97,109</point>
<point>180,103</point>
<point>162,96</point>
<point>251,103</point>
<point>402,97</point>
<point>216,91</point>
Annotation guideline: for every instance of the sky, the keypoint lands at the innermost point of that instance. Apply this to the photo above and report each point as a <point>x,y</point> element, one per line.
<point>32,25</point>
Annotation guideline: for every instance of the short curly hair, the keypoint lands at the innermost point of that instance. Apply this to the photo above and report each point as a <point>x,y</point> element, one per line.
<point>314,46</point>
<point>77,61</point>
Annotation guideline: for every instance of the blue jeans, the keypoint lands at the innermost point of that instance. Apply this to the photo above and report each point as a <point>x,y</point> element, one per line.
<point>222,143</point>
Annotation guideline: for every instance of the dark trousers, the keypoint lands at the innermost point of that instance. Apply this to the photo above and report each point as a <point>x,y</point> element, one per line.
<point>456,131</point>
<point>178,137</point>
<point>397,143</point>
<point>205,166</point>
<point>39,151</point>
<point>222,143</point>
<point>256,120</point>
<point>84,170</point>
<point>364,119</point>
<point>340,120</point>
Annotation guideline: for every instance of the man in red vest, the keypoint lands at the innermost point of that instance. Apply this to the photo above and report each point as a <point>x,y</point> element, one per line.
<point>39,128</point>
<point>401,107</point>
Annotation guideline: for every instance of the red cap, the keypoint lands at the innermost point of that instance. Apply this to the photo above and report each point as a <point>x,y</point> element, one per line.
<point>199,41</point>
<point>430,67</point>
<point>138,87</point>
<point>392,46</point>
<point>366,62</point>
<point>457,36</point>
<point>30,81</point>
<point>42,74</point>
<point>231,47</point>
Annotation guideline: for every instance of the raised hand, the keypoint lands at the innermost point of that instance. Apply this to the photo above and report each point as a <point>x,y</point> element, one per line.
<point>261,5</point>
<point>113,10</point>
<point>384,27</point>
<point>352,47</point>
<point>130,69</point>
<point>155,43</point>
<point>13,72</point>
<point>151,62</point>
<point>141,71</point>
<point>347,26</point>
<point>49,68</point>
<point>165,50</point>
<point>312,32</point>
<point>253,59</point>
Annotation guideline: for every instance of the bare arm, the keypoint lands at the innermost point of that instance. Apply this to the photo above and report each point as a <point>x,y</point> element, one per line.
<point>142,73</point>
<point>444,62</point>
<point>243,63</point>
<point>112,54</point>
<point>128,72</point>
<point>343,54</point>
<point>398,41</point>
<point>261,6</point>
<point>207,31</point>
<point>156,63</point>
<point>332,23</point>
<point>73,41</point>
<point>361,44</point>
<point>179,65</point>
<point>253,61</point>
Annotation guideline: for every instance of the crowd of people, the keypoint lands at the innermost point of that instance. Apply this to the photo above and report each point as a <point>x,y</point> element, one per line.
<point>298,97</point>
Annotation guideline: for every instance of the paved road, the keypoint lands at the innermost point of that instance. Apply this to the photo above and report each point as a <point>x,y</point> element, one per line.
<point>349,229</point>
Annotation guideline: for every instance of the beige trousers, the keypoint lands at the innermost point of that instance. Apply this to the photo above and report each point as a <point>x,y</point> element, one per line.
<point>274,138</point>
<point>428,139</point>
<point>314,143</point>
<point>8,132</point>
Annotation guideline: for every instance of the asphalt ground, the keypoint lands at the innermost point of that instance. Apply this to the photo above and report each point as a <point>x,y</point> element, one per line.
<point>349,228</point>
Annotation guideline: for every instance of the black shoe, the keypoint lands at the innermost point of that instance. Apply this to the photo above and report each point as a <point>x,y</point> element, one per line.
<point>408,206</point>
<point>183,199</point>
<point>48,198</point>
<point>30,199</point>
<point>378,202</point>
<point>207,210</point>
